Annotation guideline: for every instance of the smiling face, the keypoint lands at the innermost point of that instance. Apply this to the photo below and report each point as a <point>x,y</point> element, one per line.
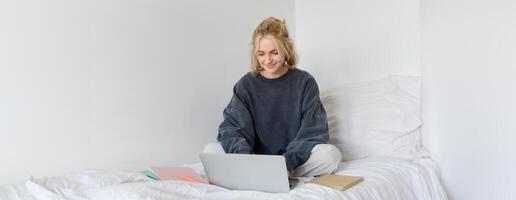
<point>270,58</point>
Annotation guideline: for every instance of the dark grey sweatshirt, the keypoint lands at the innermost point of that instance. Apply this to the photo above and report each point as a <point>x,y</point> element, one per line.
<point>282,116</point>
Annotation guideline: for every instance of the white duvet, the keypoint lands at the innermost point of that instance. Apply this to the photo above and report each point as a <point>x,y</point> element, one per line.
<point>384,178</point>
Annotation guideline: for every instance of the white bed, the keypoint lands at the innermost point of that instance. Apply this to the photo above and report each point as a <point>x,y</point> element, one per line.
<point>384,178</point>
<point>375,124</point>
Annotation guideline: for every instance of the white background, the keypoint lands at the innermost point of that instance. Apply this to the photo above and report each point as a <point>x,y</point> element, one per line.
<point>117,84</point>
<point>468,66</point>
<point>357,40</point>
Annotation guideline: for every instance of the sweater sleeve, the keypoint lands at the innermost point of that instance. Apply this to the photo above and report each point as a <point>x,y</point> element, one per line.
<point>236,132</point>
<point>313,130</point>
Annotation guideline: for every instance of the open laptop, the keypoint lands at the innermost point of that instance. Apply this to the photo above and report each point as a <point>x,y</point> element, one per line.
<point>266,173</point>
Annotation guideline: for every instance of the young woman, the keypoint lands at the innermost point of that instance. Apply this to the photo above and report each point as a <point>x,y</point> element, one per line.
<point>276,110</point>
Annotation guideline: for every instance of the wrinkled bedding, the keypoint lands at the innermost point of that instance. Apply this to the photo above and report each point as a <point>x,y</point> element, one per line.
<point>384,178</point>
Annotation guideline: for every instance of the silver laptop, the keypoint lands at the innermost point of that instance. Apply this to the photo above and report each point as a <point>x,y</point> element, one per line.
<point>266,173</point>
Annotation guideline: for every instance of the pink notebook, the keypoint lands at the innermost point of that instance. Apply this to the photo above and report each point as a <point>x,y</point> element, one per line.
<point>177,173</point>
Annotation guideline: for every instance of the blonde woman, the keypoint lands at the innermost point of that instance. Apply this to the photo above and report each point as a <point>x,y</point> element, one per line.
<point>276,110</point>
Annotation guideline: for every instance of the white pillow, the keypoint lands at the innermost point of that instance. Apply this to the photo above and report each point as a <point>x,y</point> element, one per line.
<point>375,118</point>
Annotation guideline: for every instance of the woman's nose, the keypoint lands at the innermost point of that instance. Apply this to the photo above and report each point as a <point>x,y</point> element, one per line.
<point>268,59</point>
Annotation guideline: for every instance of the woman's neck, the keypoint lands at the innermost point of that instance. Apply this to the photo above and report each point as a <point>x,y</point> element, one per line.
<point>282,71</point>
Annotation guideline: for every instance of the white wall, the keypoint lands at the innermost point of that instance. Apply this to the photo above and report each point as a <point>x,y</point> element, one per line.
<point>356,40</point>
<point>118,84</point>
<point>468,67</point>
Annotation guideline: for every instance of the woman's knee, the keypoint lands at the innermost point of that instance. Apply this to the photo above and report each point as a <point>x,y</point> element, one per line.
<point>329,154</point>
<point>213,147</point>
<point>325,159</point>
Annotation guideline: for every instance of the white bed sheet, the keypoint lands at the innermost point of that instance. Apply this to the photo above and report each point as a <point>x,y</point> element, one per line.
<point>384,178</point>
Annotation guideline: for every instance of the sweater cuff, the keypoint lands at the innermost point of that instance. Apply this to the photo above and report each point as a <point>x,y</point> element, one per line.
<point>290,163</point>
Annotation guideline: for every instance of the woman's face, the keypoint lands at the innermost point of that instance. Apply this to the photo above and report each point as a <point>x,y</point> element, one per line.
<point>270,58</point>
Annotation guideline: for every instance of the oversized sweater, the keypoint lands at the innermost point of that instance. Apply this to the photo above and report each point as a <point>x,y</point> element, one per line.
<point>282,116</point>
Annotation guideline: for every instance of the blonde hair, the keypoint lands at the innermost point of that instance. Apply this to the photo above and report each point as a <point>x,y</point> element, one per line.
<point>278,30</point>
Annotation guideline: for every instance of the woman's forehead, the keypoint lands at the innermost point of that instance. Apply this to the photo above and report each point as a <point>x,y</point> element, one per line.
<point>267,43</point>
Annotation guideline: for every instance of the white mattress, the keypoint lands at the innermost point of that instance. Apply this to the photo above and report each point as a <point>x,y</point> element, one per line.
<point>384,178</point>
